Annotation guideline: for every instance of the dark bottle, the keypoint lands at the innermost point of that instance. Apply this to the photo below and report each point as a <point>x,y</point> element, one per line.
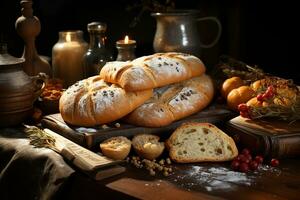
<point>97,54</point>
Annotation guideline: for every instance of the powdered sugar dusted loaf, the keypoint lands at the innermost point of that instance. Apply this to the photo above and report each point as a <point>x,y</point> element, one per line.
<point>93,102</point>
<point>152,71</point>
<point>174,102</point>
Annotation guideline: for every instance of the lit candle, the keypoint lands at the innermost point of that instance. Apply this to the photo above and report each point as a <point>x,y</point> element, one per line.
<point>126,49</point>
<point>67,57</point>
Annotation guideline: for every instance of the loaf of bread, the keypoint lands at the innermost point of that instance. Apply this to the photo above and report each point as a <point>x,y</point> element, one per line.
<point>116,148</point>
<point>152,71</point>
<point>148,146</point>
<point>173,102</point>
<point>200,142</point>
<point>93,102</point>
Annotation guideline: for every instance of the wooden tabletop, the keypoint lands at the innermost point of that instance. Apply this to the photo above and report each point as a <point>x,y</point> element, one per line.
<point>193,181</point>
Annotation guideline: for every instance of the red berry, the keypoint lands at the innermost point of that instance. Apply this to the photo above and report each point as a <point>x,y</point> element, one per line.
<point>253,165</point>
<point>243,107</point>
<point>246,151</point>
<point>244,167</point>
<point>249,157</point>
<point>259,159</point>
<point>245,160</point>
<point>235,165</point>
<point>274,162</point>
<point>240,157</point>
<point>260,97</point>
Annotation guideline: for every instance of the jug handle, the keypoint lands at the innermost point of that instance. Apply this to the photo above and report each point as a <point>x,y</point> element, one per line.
<point>39,82</point>
<point>214,42</point>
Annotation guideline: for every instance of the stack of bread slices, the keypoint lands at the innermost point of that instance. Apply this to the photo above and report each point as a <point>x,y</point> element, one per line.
<point>150,91</point>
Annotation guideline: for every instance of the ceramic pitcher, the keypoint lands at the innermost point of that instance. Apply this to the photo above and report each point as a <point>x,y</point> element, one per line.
<point>178,31</point>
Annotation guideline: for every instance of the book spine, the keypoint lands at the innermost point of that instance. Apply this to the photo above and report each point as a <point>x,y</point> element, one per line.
<point>258,144</point>
<point>285,146</point>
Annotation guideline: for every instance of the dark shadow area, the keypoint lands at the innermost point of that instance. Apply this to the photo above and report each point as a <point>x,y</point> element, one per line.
<point>256,32</point>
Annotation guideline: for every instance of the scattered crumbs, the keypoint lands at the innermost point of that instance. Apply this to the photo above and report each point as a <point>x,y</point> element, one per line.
<point>158,184</point>
<point>85,130</point>
<point>117,125</point>
<point>104,126</point>
<point>146,184</point>
<point>160,180</point>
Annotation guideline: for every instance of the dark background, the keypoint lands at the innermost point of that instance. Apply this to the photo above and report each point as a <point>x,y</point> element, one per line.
<point>256,32</point>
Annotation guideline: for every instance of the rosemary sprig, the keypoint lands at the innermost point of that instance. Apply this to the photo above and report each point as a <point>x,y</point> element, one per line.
<point>231,67</point>
<point>39,138</point>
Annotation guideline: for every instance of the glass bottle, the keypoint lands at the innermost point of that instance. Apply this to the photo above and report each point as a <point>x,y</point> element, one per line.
<point>67,57</point>
<point>97,54</point>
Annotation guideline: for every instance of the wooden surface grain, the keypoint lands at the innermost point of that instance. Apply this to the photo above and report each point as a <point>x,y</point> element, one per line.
<point>195,181</point>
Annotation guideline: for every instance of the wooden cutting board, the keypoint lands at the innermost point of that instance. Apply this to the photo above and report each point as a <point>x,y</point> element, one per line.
<point>91,137</point>
<point>270,137</point>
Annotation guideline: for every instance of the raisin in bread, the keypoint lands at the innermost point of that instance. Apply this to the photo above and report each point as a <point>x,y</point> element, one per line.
<point>147,146</point>
<point>200,142</point>
<point>116,148</point>
<point>152,71</point>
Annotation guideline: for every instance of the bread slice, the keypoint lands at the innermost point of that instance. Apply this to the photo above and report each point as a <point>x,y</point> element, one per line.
<point>116,148</point>
<point>147,146</point>
<point>199,142</point>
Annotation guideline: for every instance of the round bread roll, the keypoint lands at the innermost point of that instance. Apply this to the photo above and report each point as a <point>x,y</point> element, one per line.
<point>116,148</point>
<point>147,146</point>
<point>93,102</point>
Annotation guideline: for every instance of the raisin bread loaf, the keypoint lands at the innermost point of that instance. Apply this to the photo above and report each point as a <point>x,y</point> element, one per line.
<point>199,142</point>
<point>152,71</point>
<point>148,146</point>
<point>93,102</point>
<point>116,148</point>
<point>173,102</point>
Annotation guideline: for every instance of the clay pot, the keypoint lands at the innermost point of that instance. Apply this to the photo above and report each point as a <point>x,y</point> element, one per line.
<point>18,91</point>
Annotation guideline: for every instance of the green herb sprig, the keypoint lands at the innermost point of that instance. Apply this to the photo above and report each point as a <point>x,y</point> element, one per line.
<point>39,138</point>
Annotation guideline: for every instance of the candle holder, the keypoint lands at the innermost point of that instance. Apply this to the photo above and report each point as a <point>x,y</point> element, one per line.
<point>67,57</point>
<point>126,49</point>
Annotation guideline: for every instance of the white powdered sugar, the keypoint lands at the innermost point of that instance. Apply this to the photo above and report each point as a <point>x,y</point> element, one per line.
<point>137,73</point>
<point>215,178</point>
<point>186,99</point>
<point>86,130</point>
<point>156,112</point>
<point>105,99</point>
<point>82,105</point>
<point>166,67</point>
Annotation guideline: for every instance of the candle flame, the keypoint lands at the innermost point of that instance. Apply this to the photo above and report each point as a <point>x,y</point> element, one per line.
<point>68,37</point>
<point>126,40</point>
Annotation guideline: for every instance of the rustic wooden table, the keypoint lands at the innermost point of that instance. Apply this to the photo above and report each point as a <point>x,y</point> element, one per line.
<point>25,168</point>
<point>193,181</point>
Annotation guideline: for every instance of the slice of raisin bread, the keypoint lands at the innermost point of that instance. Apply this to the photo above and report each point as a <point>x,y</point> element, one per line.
<point>200,142</point>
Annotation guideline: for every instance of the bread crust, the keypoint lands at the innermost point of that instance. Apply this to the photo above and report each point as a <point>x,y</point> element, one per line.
<point>92,102</point>
<point>173,141</point>
<point>116,148</point>
<point>174,102</point>
<point>152,71</point>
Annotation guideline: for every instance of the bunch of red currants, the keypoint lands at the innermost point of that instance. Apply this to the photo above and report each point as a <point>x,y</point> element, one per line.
<point>269,93</point>
<point>244,162</point>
